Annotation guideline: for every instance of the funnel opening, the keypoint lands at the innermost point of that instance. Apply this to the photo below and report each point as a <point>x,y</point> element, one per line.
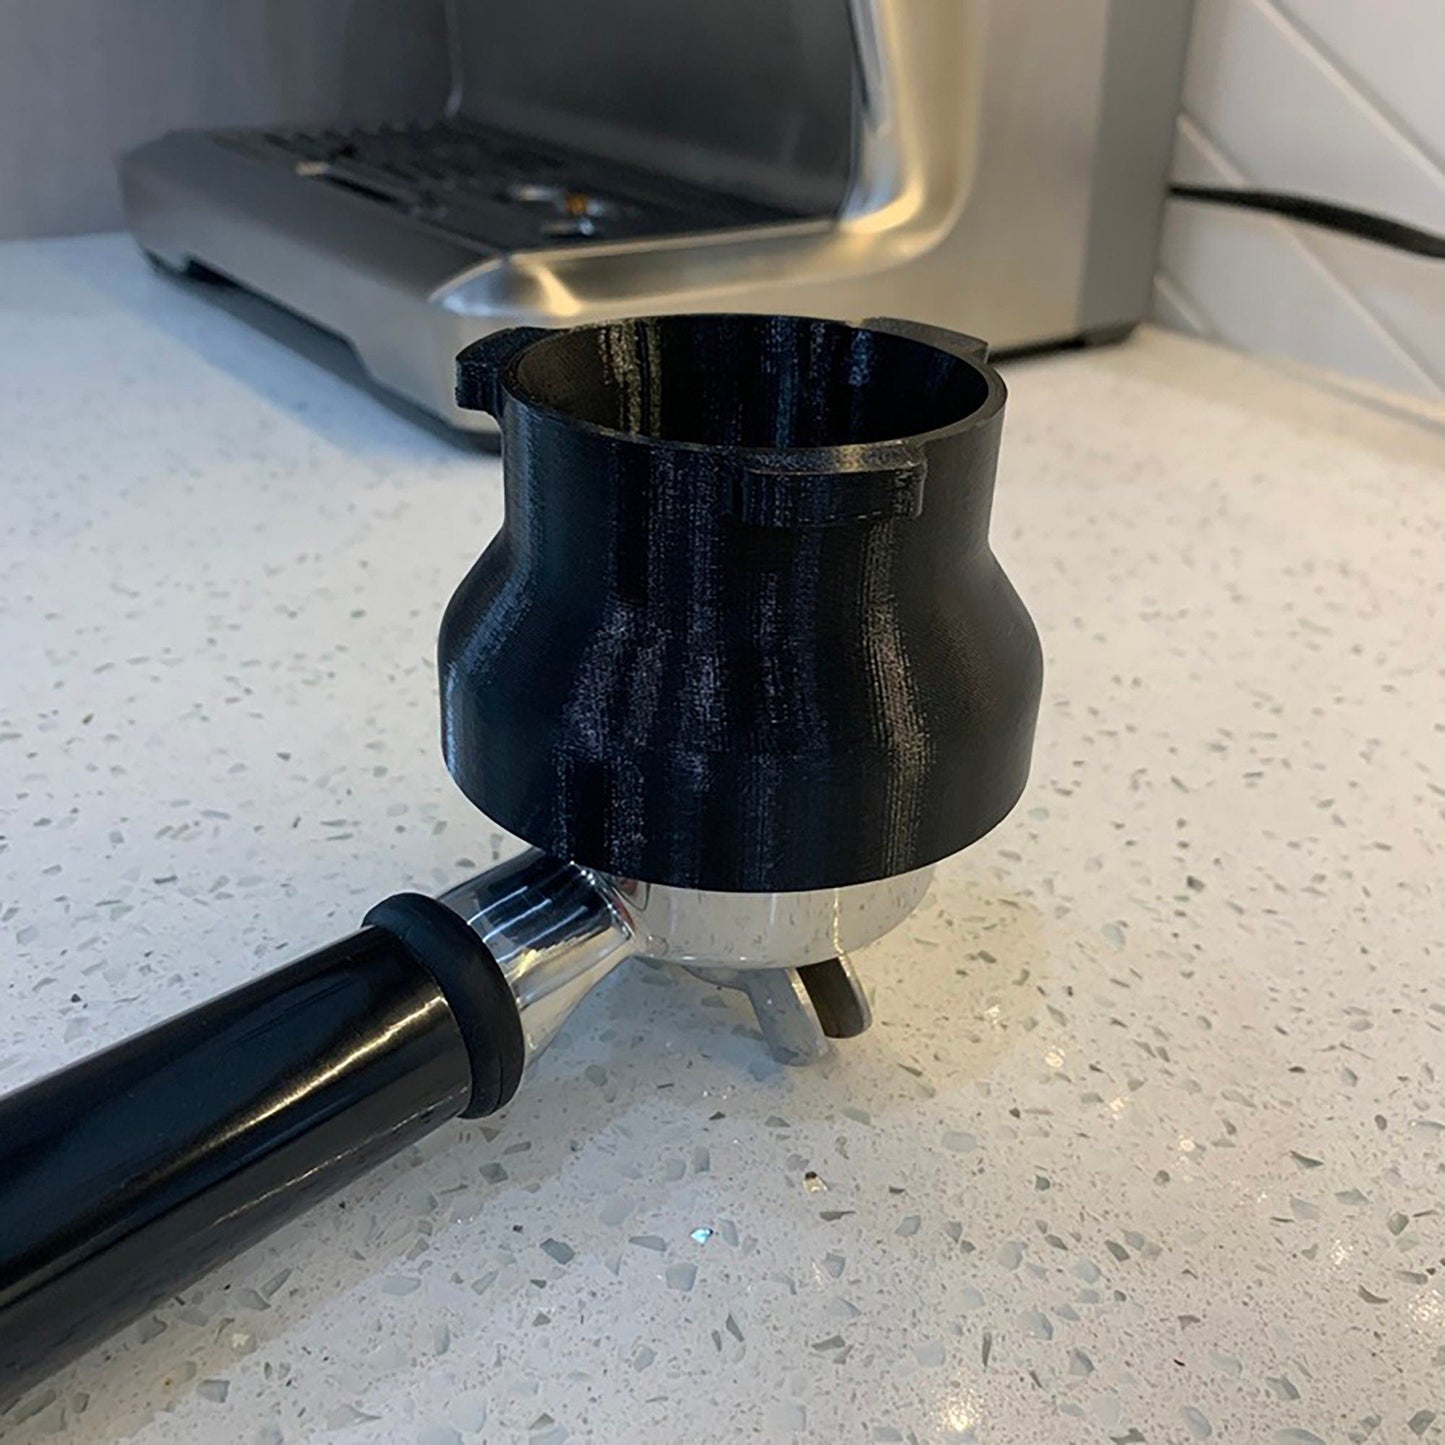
<point>749,381</point>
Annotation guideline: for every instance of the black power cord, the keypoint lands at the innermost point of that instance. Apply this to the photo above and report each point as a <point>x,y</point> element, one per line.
<point>1345,219</point>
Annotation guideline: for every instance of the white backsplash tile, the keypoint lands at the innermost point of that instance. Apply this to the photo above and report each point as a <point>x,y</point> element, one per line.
<point>1312,96</point>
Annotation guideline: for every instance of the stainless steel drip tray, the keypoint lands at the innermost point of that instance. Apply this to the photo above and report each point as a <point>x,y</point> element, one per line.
<point>487,186</point>
<point>365,231</point>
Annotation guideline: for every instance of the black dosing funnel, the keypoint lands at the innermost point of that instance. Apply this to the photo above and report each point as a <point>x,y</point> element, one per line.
<point>741,628</point>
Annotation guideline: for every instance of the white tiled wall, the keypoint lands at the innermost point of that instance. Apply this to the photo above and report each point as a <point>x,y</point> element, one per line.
<point>1339,99</point>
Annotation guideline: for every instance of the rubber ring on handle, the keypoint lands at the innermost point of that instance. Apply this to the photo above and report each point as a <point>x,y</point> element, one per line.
<point>474,986</point>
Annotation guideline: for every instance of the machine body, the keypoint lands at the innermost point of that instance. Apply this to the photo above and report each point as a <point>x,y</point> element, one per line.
<point>996,166</point>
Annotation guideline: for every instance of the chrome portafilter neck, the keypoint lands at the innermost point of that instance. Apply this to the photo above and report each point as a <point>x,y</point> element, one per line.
<point>556,929</point>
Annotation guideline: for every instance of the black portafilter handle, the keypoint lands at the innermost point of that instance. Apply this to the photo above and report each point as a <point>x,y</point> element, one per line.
<point>131,1173</point>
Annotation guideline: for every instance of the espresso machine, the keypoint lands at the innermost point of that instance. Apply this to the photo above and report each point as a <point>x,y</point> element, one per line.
<point>994,166</point>
<point>739,668</point>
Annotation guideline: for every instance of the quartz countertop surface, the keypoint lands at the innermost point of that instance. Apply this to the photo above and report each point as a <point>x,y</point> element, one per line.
<point>1147,1142</point>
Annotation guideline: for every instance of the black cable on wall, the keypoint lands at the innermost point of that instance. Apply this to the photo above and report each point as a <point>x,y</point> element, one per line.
<point>1367,225</point>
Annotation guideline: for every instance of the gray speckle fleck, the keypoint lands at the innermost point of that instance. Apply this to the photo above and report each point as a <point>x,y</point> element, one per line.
<point>214,1390</point>
<point>468,1411</point>
<point>649,1241</point>
<point>615,1211</point>
<point>960,1141</point>
<point>341,1416</point>
<point>400,1284</point>
<point>1421,1421</point>
<point>785,1417</point>
<point>562,1253</point>
<point>909,1225</point>
<point>930,1354</point>
<point>681,1276</point>
<point>1198,1424</point>
<point>274,1283</point>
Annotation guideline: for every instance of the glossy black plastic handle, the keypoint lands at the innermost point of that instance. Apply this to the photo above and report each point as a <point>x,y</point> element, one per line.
<point>133,1172</point>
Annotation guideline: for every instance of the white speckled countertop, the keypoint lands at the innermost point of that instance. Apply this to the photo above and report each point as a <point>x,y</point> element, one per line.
<point>1148,1141</point>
